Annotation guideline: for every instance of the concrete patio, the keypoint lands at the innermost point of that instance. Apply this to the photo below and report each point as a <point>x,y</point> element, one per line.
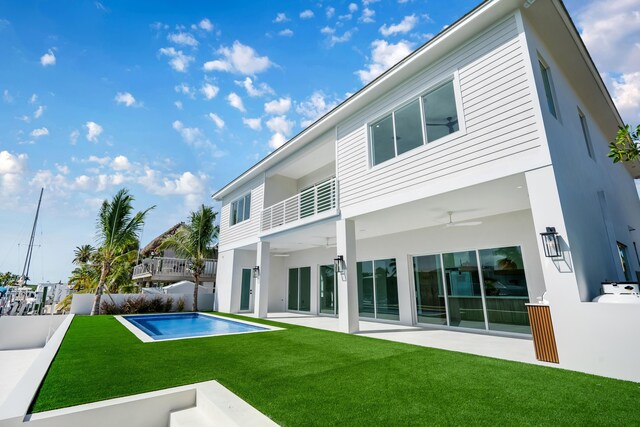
<point>507,348</point>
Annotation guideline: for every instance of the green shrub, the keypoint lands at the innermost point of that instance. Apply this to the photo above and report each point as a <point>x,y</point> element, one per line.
<point>180,304</point>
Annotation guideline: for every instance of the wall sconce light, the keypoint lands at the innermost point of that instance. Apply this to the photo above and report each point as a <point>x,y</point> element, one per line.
<point>550,243</point>
<point>256,272</point>
<point>340,264</point>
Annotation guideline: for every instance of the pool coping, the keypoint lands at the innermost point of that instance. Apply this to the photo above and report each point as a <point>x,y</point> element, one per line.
<point>146,338</point>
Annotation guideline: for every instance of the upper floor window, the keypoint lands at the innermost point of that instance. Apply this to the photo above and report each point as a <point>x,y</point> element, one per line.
<point>585,133</point>
<point>241,209</point>
<point>548,88</point>
<point>434,114</point>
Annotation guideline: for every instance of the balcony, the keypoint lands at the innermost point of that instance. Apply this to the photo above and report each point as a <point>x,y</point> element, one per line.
<point>312,204</point>
<point>171,270</point>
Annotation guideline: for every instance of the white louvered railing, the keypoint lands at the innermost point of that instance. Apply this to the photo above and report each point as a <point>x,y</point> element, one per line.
<point>171,268</point>
<point>309,202</point>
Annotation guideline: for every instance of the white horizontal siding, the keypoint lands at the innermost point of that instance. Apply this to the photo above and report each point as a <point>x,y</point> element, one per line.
<point>498,113</point>
<point>246,229</point>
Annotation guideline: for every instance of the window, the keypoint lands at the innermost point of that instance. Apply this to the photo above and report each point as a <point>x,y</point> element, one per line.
<point>624,260</point>
<point>585,133</point>
<point>403,129</point>
<point>378,289</point>
<point>441,117</point>
<point>241,209</point>
<point>548,88</point>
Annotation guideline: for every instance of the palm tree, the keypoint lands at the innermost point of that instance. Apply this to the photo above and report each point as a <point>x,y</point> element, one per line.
<point>193,241</point>
<point>117,231</point>
<point>82,254</point>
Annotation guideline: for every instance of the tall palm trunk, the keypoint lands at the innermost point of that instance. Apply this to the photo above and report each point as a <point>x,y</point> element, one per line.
<point>196,278</point>
<point>103,278</point>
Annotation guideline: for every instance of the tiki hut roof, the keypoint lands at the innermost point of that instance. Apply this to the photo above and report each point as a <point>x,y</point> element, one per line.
<point>155,243</point>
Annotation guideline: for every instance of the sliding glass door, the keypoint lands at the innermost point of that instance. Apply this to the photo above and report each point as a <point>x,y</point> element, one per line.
<point>378,289</point>
<point>299,295</point>
<point>328,291</point>
<point>483,289</point>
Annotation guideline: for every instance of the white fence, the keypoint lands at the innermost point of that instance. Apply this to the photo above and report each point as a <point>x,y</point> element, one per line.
<point>82,303</point>
<point>312,201</point>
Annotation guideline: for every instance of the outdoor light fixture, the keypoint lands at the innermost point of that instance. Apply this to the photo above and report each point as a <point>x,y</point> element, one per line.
<point>550,243</point>
<point>256,271</point>
<point>528,3</point>
<point>339,263</point>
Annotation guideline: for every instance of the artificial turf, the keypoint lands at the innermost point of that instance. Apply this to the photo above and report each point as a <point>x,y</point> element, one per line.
<point>303,376</point>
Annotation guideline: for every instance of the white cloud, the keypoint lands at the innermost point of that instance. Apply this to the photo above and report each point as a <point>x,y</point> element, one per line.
<point>277,140</point>
<point>6,96</point>
<point>367,16</point>
<point>353,7</point>
<point>188,185</point>
<point>280,124</point>
<point>127,99</point>
<point>330,11</point>
<point>333,39</point>
<point>39,111</point>
<point>178,105</point>
<point>192,136</point>
<point>37,133</point>
<point>286,33</point>
<point>121,163</point>
<point>252,90</point>
<point>12,169</point>
<point>281,17</point>
<point>185,89</point>
<point>406,25</point>
<point>626,95</point>
<point>178,60</point>
<point>314,107</point>
<point>278,106</point>
<point>239,58</point>
<point>99,160</point>
<point>206,25</point>
<point>48,59</point>
<point>307,14</point>
<point>209,90</point>
<point>383,56</point>
<point>255,124</point>
<point>73,136</point>
<point>185,39</point>
<point>93,131</point>
<point>63,169</point>
<point>33,99</point>
<point>216,119</point>
<point>345,17</point>
<point>611,32</point>
<point>235,101</point>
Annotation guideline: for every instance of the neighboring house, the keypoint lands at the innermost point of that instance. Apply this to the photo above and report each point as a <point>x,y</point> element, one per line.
<point>158,268</point>
<point>434,183</point>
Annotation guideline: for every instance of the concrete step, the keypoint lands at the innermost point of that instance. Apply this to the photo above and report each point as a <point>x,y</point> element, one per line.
<point>192,417</point>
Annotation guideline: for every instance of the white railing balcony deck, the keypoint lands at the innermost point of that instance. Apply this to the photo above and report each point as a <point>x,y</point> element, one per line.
<point>311,204</point>
<point>171,270</point>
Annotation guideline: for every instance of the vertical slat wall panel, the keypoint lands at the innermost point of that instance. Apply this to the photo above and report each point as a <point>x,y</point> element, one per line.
<point>544,339</point>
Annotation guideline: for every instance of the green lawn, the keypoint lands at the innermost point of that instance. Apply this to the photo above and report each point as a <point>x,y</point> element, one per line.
<point>302,376</point>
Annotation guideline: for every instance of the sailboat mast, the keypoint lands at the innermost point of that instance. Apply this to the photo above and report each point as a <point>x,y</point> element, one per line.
<point>27,261</point>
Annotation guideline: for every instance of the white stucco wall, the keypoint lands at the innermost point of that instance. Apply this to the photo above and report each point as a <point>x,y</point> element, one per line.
<point>22,332</point>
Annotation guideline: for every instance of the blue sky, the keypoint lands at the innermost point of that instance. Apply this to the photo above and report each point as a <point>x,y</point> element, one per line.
<point>174,99</point>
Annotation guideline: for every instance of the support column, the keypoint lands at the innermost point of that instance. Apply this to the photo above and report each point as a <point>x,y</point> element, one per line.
<point>347,281</point>
<point>262,282</point>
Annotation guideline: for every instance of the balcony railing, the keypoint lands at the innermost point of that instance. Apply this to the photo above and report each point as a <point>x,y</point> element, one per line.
<point>168,269</point>
<point>309,202</point>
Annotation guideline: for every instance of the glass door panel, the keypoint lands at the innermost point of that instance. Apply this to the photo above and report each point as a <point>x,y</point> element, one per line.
<point>365,289</point>
<point>305,289</point>
<point>386,289</point>
<point>430,303</point>
<point>245,290</point>
<point>505,289</point>
<point>292,301</point>
<point>463,290</point>
<point>328,294</point>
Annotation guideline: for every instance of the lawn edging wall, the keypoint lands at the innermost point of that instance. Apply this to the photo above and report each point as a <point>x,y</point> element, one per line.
<point>82,303</point>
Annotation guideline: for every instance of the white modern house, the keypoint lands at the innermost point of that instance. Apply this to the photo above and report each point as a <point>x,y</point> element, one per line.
<point>423,198</point>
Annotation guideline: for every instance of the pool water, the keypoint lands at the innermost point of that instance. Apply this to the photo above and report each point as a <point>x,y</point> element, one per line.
<point>187,325</point>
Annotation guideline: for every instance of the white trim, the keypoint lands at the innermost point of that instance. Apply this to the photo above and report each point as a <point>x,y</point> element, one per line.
<point>145,338</point>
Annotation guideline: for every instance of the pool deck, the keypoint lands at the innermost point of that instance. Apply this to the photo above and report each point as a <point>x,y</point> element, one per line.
<point>500,347</point>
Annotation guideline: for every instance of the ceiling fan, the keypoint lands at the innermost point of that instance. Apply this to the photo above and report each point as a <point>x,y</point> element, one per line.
<point>327,243</point>
<point>451,223</point>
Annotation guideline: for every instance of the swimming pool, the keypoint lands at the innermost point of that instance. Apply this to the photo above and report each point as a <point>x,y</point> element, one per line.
<point>163,327</point>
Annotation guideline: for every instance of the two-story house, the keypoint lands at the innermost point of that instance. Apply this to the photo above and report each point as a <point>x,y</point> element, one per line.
<point>468,180</point>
